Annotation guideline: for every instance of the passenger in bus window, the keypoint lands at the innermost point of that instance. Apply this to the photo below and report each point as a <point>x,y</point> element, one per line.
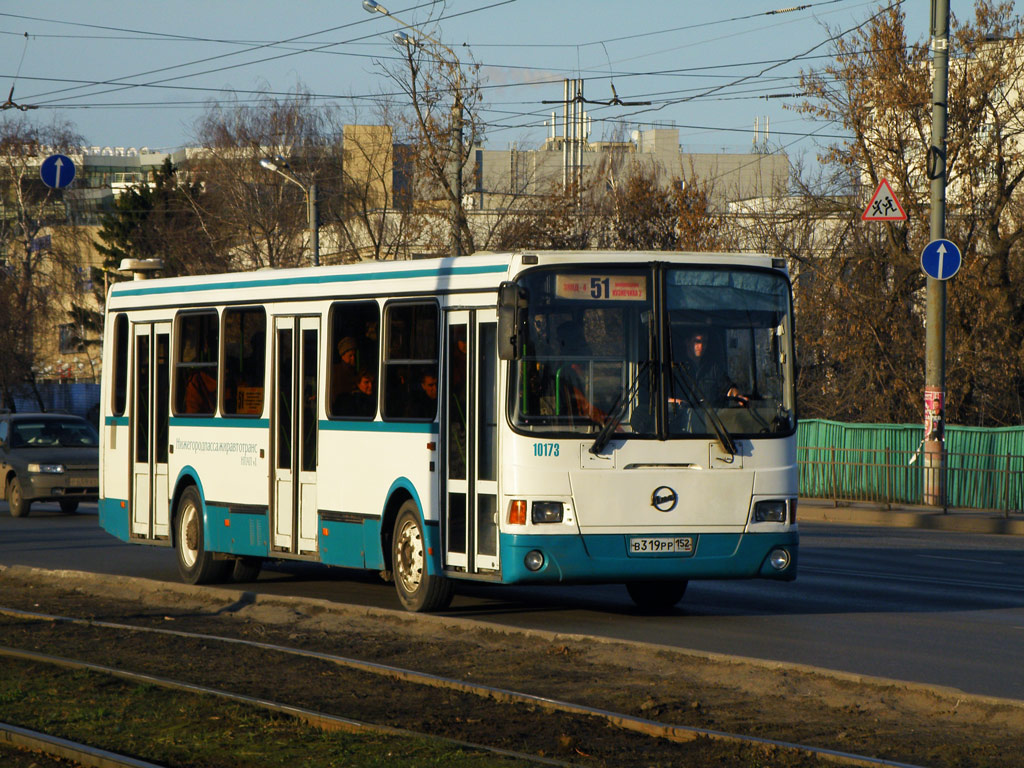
<point>539,341</point>
<point>362,402</point>
<point>572,376</point>
<point>200,386</point>
<point>423,402</point>
<point>254,367</point>
<point>368,345</point>
<point>344,376</point>
<point>199,392</point>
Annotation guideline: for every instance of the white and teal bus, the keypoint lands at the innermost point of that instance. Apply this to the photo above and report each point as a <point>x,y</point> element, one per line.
<point>518,418</point>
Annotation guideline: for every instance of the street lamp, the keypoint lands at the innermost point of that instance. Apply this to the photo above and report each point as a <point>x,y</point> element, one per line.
<point>371,6</point>
<point>311,202</point>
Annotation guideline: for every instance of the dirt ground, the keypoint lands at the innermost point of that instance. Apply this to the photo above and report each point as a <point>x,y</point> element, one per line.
<point>905,723</point>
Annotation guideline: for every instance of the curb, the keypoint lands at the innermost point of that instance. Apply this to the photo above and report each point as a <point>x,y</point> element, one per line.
<point>817,511</point>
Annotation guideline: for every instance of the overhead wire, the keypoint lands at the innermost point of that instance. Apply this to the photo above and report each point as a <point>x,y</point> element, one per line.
<point>830,38</point>
<point>691,71</point>
<point>230,54</point>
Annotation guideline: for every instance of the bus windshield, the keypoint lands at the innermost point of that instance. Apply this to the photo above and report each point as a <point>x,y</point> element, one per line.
<point>660,352</point>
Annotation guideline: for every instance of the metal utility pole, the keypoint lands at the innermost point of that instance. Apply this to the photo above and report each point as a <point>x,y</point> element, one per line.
<point>935,307</point>
<point>576,130</point>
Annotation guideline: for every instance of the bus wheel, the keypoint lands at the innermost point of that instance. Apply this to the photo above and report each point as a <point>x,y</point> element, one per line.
<point>68,506</point>
<point>656,595</point>
<point>246,569</point>
<point>195,564</point>
<point>417,589</point>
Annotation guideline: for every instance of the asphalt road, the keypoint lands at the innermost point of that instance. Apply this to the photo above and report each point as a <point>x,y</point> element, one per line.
<point>922,606</point>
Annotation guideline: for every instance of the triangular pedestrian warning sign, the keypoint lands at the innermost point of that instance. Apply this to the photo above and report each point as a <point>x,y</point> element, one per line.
<point>884,206</point>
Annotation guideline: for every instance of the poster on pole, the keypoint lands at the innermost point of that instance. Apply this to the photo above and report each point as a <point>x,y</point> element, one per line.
<point>883,205</point>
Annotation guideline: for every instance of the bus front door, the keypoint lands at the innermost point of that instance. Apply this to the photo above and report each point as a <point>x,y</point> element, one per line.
<point>470,430</point>
<point>293,427</point>
<point>150,502</point>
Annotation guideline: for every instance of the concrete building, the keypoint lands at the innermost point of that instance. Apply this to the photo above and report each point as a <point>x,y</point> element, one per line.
<point>516,172</point>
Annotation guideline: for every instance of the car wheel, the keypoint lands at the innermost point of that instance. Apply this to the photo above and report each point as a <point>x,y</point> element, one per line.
<point>19,506</point>
<point>656,595</point>
<point>195,564</point>
<point>68,506</point>
<point>417,588</point>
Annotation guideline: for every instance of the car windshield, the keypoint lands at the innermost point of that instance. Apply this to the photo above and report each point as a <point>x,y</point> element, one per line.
<point>53,433</point>
<point>655,352</point>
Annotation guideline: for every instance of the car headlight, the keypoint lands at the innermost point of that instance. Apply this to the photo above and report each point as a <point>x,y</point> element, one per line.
<point>46,469</point>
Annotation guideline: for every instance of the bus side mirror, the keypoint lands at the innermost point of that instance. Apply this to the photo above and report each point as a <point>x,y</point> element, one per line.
<point>511,299</point>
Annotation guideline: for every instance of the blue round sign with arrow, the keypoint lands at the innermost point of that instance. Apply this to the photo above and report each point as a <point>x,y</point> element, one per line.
<point>940,259</point>
<point>57,171</point>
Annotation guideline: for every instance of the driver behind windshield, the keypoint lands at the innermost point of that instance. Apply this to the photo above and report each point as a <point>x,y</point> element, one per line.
<point>705,367</point>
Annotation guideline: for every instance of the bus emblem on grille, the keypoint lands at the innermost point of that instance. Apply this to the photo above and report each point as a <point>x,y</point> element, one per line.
<point>664,499</point>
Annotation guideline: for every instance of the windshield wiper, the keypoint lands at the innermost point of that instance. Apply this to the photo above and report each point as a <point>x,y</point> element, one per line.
<point>614,418</point>
<point>692,394</point>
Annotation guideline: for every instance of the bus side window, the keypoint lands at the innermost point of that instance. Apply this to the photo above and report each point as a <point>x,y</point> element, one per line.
<point>120,365</point>
<point>354,359</point>
<point>195,364</point>
<point>245,344</point>
<point>410,364</point>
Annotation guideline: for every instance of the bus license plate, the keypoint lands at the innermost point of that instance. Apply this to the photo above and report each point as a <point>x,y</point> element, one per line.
<point>656,545</point>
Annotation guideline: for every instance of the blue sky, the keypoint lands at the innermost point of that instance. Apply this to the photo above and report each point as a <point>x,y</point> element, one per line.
<point>138,73</point>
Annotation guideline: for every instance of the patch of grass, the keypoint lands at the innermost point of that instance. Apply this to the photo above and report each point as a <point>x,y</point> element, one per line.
<point>181,729</point>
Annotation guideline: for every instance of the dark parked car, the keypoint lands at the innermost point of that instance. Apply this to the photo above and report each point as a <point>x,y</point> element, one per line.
<point>48,457</point>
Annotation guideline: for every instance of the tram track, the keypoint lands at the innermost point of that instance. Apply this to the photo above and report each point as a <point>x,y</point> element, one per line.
<point>65,749</point>
<point>879,719</point>
<point>635,731</point>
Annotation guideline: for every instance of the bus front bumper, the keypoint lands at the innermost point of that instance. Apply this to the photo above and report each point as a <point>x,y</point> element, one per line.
<point>607,558</point>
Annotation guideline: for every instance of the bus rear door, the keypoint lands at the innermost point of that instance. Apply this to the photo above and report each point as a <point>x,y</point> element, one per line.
<point>294,428</point>
<point>149,419</point>
<point>470,433</point>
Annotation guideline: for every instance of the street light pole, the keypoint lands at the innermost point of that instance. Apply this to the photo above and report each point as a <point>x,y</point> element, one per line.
<point>312,213</point>
<point>458,113</point>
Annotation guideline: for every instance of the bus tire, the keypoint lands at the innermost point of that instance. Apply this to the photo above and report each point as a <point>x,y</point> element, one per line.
<point>68,506</point>
<point>18,506</point>
<point>246,569</point>
<point>656,595</point>
<point>418,590</point>
<point>195,564</point>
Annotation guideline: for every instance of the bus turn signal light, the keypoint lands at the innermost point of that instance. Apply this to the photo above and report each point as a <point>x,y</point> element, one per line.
<point>517,512</point>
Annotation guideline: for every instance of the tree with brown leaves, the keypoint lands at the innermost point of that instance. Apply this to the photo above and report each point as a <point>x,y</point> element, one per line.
<point>860,289</point>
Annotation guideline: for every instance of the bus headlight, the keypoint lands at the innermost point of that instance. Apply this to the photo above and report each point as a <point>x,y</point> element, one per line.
<point>546,512</point>
<point>771,511</point>
<point>46,469</point>
<point>534,560</point>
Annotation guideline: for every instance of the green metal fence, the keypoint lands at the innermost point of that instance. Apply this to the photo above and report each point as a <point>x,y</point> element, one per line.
<point>882,463</point>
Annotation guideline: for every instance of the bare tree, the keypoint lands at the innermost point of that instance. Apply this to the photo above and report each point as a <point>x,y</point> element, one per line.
<point>441,126</point>
<point>255,215</point>
<point>38,250</point>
